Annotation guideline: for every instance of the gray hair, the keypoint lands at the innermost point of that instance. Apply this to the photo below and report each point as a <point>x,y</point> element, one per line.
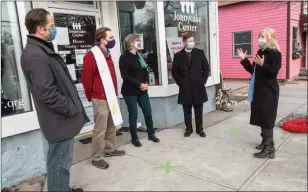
<point>129,40</point>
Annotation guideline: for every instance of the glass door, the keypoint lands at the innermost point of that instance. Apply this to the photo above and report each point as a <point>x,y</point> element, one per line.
<point>75,37</point>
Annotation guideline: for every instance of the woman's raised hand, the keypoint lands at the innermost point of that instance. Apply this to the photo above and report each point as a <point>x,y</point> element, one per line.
<point>241,54</point>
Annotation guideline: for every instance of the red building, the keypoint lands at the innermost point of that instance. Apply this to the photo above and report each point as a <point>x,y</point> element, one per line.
<point>240,24</point>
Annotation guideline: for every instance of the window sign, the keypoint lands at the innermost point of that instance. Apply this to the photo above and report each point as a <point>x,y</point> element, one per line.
<point>140,36</point>
<point>75,36</point>
<point>187,19</point>
<point>175,44</point>
<point>79,54</point>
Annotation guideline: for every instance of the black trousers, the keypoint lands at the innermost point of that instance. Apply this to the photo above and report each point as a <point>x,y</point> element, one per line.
<point>267,133</point>
<point>198,108</point>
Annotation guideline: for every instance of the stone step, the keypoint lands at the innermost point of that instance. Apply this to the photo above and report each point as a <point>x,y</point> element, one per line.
<point>302,77</point>
<point>303,72</point>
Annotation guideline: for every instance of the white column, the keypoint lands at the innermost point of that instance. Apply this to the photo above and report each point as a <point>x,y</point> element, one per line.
<point>161,36</point>
<point>214,42</point>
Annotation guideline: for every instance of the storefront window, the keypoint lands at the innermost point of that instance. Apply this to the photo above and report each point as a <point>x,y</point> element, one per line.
<point>75,36</point>
<point>15,97</point>
<point>139,17</point>
<point>183,16</point>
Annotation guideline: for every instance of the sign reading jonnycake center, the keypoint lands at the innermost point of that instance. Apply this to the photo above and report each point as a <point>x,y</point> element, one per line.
<point>188,19</point>
<point>183,20</point>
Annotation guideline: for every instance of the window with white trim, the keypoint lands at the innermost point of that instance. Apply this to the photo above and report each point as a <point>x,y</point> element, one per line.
<point>242,40</point>
<point>181,16</point>
<point>140,17</point>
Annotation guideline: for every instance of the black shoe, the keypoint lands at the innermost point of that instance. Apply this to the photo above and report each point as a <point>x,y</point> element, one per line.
<point>100,164</point>
<point>261,146</point>
<point>136,143</point>
<point>77,190</point>
<point>268,150</point>
<point>187,133</point>
<point>201,133</point>
<point>154,139</point>
<point>118,133</point>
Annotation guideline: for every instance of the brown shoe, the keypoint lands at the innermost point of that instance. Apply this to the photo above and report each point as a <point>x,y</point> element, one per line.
<point>100,164</point>
<point>115,153</point>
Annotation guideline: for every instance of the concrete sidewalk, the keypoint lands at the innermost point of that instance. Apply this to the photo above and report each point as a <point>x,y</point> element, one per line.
<point>223,161</point>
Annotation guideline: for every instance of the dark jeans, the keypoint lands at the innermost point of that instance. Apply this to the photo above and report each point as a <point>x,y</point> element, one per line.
<point>59,162</point>
<point>198,108</point>
<point>144,103</point>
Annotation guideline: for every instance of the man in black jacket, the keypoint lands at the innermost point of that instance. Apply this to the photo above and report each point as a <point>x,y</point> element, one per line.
<point>60,112</point>
<point>190,70</point>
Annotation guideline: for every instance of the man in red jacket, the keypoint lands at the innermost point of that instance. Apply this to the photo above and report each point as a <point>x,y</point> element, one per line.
<point>104,133</point>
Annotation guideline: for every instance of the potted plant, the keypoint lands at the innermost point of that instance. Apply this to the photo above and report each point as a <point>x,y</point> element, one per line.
<point>299,52</point>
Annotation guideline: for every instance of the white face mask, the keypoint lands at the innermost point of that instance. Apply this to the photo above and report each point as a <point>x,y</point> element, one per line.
<point>137,45</point>
<point>262,43</point>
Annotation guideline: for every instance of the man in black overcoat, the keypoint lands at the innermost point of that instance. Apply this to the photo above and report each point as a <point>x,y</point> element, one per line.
<point>190,70</point>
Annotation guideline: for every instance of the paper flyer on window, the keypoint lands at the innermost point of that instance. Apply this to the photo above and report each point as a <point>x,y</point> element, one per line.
<point>82,95</point>
<point>80,53</point>
<point>72,70</point>
<point>140,35</point>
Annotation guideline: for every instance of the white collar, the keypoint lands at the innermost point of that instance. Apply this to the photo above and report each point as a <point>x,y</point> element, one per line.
<point>188,50</point>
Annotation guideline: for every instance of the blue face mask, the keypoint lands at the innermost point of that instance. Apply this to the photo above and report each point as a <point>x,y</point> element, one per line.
<point>52,34</point>
<point>190,45</point>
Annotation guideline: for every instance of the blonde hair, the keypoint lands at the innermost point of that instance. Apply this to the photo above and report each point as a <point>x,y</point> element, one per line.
<point>129,40</point>
<point>270,34</point>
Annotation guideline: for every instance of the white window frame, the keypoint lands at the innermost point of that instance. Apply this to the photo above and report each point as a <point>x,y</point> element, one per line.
<point>165,89</point>
<point>233,33</point>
